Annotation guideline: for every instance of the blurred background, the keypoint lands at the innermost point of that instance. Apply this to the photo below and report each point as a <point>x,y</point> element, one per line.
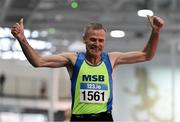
<point>145,92</point>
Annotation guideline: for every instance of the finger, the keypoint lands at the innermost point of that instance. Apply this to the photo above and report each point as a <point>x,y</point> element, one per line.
<point>15,28</point>
<point>21,22</point>
<point>150,19</point>
<point>160,21</point>
<point>15,31</point>
<point>17,24</point>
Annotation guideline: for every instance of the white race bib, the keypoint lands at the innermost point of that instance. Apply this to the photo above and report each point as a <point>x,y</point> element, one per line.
<point>93,93</point>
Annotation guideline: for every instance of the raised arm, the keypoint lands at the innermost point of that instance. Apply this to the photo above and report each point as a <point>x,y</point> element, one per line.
<point>33,56</point>
<point>149,50</point>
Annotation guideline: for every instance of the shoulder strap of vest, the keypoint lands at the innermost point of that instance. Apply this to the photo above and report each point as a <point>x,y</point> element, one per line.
<point>106,60</point>
<point>79,61</point>
<point>76,68</point>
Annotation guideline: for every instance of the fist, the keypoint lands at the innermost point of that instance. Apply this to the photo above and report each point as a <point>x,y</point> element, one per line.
<point>156,22</point>
<point>18,30</point>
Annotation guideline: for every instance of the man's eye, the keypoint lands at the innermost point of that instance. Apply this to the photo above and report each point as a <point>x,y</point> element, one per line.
<point>93,39</point>
<point>101,40</point>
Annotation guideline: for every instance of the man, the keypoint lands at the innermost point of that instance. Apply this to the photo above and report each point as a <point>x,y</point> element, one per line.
<point>91,72</point>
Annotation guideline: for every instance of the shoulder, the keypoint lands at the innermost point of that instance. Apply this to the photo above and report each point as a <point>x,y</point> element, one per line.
<point>71,56</point>
<point>113,57</point>
<point>115,54</point>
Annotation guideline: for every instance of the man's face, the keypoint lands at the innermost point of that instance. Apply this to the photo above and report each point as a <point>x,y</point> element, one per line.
<point>95,42</point>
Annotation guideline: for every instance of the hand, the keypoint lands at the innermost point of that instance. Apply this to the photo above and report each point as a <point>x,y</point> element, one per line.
<point>156,22</point>
<point>18,30</point>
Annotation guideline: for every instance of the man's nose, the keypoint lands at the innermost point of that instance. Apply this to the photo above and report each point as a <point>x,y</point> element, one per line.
<point>96,42</point>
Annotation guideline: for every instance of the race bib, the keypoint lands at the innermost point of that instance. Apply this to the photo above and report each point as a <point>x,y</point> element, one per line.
<point>93,93</point>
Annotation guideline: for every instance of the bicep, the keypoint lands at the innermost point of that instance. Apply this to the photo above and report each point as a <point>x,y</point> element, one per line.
<point>128,57</point>
<point>58,60</point>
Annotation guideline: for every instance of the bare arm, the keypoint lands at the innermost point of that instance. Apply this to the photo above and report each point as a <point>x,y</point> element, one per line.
<point>33,56</point>
<point>149,50</point>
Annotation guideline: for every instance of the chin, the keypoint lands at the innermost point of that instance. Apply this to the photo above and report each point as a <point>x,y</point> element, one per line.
<point>96,53</point>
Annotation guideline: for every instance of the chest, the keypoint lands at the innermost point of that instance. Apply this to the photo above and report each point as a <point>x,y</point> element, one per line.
<point>93,74</point>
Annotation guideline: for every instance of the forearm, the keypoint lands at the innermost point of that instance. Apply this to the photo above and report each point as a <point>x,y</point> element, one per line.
<point>32,56</point>
<point>151,46</point>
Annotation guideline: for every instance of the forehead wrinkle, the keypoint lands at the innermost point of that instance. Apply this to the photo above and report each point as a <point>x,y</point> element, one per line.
<point>95,33</point>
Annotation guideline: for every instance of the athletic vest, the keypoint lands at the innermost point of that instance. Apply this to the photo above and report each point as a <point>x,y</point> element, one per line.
<point>91,86</point>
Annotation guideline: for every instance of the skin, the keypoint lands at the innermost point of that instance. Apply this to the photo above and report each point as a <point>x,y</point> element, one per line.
<point>95,43</point>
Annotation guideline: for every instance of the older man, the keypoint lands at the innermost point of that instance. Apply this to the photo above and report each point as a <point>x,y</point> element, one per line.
<point>91,71</point>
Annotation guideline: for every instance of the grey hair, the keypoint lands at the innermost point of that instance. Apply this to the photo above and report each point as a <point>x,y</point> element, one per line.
<point>93,26</point>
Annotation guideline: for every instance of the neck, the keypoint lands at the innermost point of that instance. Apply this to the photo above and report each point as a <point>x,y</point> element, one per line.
<point>92,59</point>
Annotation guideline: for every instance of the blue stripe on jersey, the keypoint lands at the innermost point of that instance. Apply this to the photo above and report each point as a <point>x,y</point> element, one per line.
<point>76,68</point>
<point>105,58</point>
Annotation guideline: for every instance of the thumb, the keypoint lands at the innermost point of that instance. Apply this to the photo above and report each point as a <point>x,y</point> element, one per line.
<point>21,22</point>
<point>150,19</point>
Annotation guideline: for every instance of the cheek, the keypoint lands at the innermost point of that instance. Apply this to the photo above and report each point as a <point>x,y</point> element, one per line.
<point>89,43</point>
<point>102,45</point>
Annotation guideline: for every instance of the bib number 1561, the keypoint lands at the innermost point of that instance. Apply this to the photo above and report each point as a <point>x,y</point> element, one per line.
<point>93,96</point>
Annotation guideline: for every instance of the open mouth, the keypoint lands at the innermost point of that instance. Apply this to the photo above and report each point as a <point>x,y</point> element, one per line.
<point>95,49</point>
